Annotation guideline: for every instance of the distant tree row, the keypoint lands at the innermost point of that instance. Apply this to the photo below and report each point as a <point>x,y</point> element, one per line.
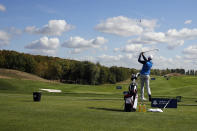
<point>167,71</point>
<point>192,72</point>
<point>64,70</point>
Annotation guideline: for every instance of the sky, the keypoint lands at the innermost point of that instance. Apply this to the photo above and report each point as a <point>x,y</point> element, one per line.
<point>111,32</point>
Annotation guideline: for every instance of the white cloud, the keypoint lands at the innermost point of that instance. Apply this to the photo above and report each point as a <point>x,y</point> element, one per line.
<point>173,44</point>
<point>190,52</point>
<point>4,38</point>
<point>53,28</point>
<point>7,35</point>
<point>124,26</point>
<point>79,44</point>
<point>149,25</point>
<point>177,38</point>
<point>132,48</point>
<point>188,22</point>
<point>119,60</point>
<point>2,8</point>
<point>109,58</point>
<point>184,34</point>
<point>173,38</point>
<point>160,62</point>
<point>181,62</point>
<point>149,38</point>
<point>44,45</point>
<point>75,51</point>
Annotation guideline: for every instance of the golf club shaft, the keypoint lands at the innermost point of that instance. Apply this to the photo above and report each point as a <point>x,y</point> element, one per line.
<point>151,50</point>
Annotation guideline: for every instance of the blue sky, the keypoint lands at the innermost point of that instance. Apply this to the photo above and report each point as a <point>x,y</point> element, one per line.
<point>112,32</point>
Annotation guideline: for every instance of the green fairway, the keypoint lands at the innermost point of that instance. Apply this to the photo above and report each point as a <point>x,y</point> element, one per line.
<point>85,107</point>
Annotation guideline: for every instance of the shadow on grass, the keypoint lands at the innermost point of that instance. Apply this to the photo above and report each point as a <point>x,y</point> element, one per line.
<point>106,109</point>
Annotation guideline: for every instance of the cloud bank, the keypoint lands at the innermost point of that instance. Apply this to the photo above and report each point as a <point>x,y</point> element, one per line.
<point>44,45</point>
<point>143,31</point>
<point>79,44</point>
<point>190,52</point>
<point>53,28</point>
<point>4,38</point>
<point>123,26</point>
<point>132,48</point>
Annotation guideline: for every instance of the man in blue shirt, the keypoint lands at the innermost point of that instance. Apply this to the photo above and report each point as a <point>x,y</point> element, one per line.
<point>144,74</point>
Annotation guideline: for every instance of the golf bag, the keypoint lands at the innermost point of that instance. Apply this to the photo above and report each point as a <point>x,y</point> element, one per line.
<point>131,97</point>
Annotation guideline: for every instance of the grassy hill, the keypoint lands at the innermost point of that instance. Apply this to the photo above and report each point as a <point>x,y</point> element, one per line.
<point>92,107</point>
<point>15,74</point>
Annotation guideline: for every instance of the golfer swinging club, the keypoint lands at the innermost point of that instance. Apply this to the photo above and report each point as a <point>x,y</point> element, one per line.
<point>144,74</point>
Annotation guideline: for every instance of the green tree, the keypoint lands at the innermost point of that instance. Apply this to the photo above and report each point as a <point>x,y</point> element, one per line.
<point>54,71</point>
<point>104,75</point>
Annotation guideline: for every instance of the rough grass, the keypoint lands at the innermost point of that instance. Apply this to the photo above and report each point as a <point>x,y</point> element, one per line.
<point>87,108</point>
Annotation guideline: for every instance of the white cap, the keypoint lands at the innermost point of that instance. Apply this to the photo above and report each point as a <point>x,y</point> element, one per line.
<point>150,57</point>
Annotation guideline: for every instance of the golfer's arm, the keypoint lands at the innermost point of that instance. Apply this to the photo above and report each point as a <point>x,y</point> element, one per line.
<point>144,57</point>
<point>140,61</point>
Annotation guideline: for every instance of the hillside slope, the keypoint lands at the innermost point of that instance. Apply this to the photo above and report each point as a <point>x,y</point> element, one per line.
<point>9,74</point>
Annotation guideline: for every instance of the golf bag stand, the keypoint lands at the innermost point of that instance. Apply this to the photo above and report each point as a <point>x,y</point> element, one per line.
<point>131,97</point>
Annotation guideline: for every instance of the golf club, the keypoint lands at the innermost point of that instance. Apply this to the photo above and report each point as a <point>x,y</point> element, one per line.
<point>150,50</point>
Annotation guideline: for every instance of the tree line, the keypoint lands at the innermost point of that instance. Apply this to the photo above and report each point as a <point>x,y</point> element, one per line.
<point>168,71</point>
<point>191,72</point>
<point>73,71</point>
<point>64,70</point>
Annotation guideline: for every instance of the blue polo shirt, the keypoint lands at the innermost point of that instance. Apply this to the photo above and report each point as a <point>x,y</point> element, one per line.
<point>146,68</point>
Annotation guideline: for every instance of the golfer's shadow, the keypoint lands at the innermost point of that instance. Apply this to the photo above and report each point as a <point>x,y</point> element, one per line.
<point>106,109</point>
